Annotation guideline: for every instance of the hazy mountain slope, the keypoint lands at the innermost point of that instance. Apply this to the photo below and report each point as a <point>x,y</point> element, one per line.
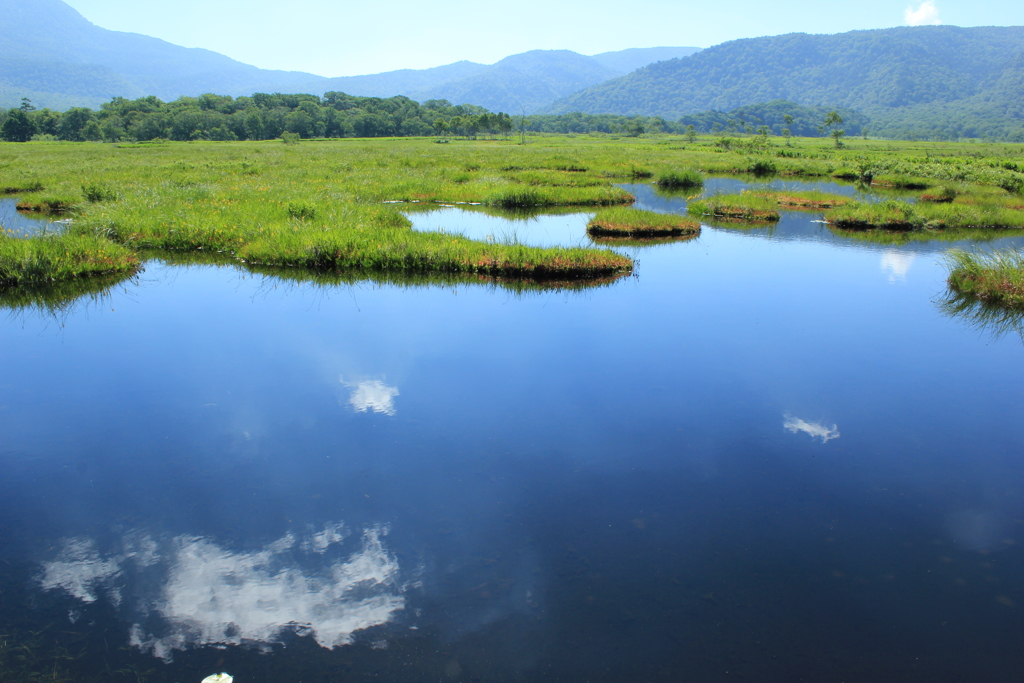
<point>399,82</point>
<point>624,61</point>
<point>48,40</point>
<point>60,85</point>
<point>532,79</point>
<point>869,70</point>
<point>52,54</point>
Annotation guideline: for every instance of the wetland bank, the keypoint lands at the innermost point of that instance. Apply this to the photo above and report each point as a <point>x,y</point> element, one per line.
<point>754,458</point>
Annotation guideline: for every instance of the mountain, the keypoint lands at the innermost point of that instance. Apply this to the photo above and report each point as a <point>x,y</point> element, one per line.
<point>533,80</point>
<point>921,78</point>
<point>399,82</point>
<point>632,59</point>
<point>53,52</point>
<point>53,55</point>
<point>529,80</point>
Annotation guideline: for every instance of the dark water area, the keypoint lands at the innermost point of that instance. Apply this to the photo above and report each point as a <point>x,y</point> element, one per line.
<point>770,455</point>
<point>18,224</point>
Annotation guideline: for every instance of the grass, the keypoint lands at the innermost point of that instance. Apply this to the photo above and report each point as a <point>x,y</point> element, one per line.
<point>49,204</point>
<point>628,222</point>
<point>901,182</point>
<point>321,204</point>
<point>746,206</point>
<point>58,258</point>
<point>403,250</point>
<point>995,277</point>
<point>679,180</point>
<point>962,212</point>
<point>812,200</point>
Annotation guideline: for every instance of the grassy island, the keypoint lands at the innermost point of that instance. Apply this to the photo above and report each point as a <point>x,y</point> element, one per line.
<point>746,206</point>
<point>61,257</point>
<point>995,277</point>
<point>625,222</point>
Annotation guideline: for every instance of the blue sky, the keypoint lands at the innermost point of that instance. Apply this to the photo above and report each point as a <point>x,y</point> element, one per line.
<point>332,38</point>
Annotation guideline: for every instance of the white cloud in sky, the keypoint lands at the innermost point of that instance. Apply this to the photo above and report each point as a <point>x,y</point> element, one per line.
<point>814,429</point>
<point>926,14</point>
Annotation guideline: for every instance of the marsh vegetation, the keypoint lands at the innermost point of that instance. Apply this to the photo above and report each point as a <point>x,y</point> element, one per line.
<point>338,205</point>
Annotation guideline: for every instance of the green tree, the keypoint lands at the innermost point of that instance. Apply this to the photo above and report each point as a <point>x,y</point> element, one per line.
<point>73,123</point>
<point>18,127</point>
<point>832,120</point>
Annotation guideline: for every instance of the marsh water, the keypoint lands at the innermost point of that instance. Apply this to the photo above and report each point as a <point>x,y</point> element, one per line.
<point>20,224</point>
<point>772,454</point>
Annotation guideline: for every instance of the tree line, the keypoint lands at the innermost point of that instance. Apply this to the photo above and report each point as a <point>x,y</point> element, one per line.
<point>337,115</point>
<point>259,117</point>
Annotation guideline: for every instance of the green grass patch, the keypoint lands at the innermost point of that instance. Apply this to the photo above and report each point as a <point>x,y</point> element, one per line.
<point>746,206</point>
<point>995,277</point>
<point>404,250</point>
<point>48,205</point>
<point>21,188</point>
<point>895,214</point>
<point>679,180</point>
<point>628,222</point>
<point>900,181</point>
<point>61,257</point>
<point>763,167</point>
<point>809,200</point>
<point>939,195</point>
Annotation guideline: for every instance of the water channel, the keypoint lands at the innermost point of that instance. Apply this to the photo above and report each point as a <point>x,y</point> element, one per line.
<point>770,455</point>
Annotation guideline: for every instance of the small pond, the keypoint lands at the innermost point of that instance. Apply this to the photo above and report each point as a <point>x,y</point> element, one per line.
<point>23,224</point>
<point>772,455</point>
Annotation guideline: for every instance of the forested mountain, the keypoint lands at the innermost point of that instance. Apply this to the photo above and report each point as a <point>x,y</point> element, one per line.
<point>941,81</point>
<point>403,81</point>
<point>529,81</point>
<point>624,61</point>
<point>54,56</point>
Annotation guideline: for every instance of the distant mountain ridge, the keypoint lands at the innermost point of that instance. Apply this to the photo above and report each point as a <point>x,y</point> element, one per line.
<point>45,45</point>
<point>530,80</point>
<point>56,57</point>
<point>920,80</point>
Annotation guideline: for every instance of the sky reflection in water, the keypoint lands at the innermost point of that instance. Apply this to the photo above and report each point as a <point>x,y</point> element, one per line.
<point>575,486</point>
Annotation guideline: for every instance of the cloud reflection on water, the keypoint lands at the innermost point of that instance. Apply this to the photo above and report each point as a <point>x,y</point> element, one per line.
<point>897,264</point>
<point>371,395</point>
<point>814,429</point>
<point>210,595</point>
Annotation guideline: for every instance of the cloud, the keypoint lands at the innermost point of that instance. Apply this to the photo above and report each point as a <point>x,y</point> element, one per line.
<point>814,429</point>
<point>79,570</point>
<point>926,14</point>
<point>897,264</point>
<point>210,595</point>
<point>371,395</point>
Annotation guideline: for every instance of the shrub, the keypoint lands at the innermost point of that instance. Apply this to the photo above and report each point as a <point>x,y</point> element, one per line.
<point>763,167</point>
<point>98,193</point>
<point>677,180</point>
<point>301,211</point>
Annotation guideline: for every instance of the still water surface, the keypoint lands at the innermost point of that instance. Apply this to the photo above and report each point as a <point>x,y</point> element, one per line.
<point>768,456</point>
<point>21,224</point>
